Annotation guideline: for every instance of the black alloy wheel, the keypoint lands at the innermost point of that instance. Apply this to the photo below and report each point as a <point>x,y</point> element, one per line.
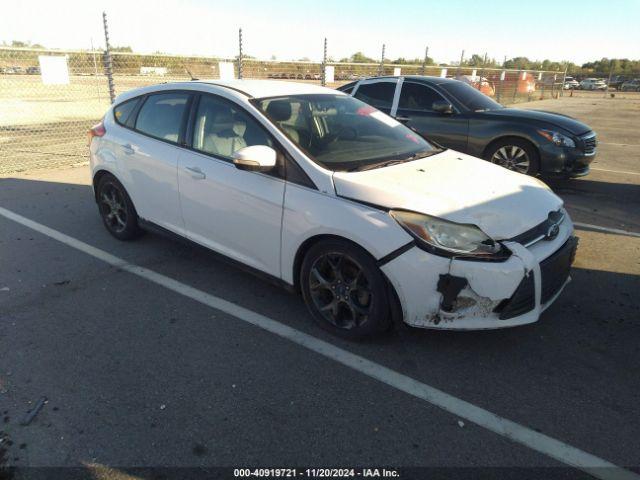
<point>116,209</point>
<point>345,290</point>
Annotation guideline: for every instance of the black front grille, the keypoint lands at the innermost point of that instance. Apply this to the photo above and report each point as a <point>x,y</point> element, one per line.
<point>522,301</point>
<point>555,269</point>
<point>590,142</point>
<point>540,231</point>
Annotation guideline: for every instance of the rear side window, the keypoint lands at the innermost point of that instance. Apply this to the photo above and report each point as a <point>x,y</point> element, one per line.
<point>378,94</point>
<point>162,114</point>
<point>417,97</point>
<point>123,111</point>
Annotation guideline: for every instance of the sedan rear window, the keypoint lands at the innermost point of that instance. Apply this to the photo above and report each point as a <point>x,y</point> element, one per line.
<point>378,94</point>
<point>469,96</point>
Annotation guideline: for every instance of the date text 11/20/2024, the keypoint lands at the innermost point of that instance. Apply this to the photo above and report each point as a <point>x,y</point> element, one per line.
<point>315,473</point>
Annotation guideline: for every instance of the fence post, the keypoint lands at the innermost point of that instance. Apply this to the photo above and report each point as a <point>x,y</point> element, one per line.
<point>484,62</point>
<point>323,74</point>
<point>515,87</point>
<point>503,74</point>
<point>108,64</point>
<point>460,64</point>
<point>609,81</point>
<point>381,67</point>
<point>424,62</point>
<point>240,66</point>
<point>564,79</point>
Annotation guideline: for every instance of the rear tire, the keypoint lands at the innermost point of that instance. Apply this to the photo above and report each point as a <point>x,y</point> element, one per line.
<point>514,154</point>
<point>116,209</point>
<point>345,290</point>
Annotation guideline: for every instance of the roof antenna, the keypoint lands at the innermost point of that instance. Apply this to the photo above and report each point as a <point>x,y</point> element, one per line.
<point>189,72</point>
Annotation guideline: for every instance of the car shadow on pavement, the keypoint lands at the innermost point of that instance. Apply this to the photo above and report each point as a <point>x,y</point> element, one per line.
<point>616,205</point>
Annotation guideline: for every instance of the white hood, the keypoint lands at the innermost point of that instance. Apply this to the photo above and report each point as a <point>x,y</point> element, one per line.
<point>456,187</point>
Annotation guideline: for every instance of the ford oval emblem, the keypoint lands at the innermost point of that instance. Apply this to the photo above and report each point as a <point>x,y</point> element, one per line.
<point>552,232</point>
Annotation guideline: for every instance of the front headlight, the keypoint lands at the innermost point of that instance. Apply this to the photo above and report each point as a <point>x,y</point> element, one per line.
<point>456,239</point>
<point>558,138</point>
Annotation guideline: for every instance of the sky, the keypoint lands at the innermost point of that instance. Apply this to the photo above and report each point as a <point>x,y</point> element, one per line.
<point>574,30</point>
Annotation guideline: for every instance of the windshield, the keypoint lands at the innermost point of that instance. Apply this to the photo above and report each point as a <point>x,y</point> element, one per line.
<point>468,96</point>
<point>343,133</point>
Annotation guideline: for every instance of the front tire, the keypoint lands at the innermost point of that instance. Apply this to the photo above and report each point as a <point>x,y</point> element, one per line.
<point>514,154</point>
<point>116,209</point>
<point>345,290</point>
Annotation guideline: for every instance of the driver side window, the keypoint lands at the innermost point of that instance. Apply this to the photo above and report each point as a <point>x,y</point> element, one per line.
<point>417,97</point>
<point>221,129</point>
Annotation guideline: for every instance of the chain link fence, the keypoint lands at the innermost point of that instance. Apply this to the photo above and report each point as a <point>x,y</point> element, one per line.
<point>43,120</point>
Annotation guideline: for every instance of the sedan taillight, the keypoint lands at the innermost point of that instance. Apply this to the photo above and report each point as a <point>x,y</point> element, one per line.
<point>96,131</point>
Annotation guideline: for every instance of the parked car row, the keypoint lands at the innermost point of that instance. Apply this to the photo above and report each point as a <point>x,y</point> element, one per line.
<point>294,76</point>
<point>17,70</point>
<point>631,85</point>
<point>619,82</point>
<point>342,196</point>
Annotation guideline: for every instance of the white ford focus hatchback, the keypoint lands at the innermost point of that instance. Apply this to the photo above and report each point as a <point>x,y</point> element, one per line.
<point>329,196</point>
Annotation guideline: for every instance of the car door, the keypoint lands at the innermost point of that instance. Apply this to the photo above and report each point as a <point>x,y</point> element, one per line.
<point>150,152</point>
<point>379,93</point>
<point>415,110</point>
<point>234,212</point>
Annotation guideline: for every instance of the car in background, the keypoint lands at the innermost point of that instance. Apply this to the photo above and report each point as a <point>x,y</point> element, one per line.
<point>617,81</point>
<point>33,70</point>
<point>455,115</point>
<point>570,83</point>
<point>631,86</point>
<point>326,195</point>
<point>593,84</point>
<point>483,85</point>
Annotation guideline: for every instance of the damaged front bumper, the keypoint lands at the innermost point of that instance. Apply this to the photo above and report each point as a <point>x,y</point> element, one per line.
<point>456,294</point>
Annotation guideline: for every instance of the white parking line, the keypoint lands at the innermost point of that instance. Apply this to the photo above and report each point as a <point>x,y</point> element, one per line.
<point>619,144</point>
<point>606,229</point>
<point>539,442</point>
<point>614,171</point>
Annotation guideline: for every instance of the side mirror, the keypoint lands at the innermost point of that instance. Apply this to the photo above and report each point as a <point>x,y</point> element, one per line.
<point>442,106</point>
<point>257,158</point>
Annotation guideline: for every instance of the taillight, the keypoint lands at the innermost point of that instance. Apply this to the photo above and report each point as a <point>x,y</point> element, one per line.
<point>96,131</point>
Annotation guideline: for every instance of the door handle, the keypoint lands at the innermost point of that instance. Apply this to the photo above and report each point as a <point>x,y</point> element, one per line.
<point>128,149</point>
<point>196,173</point>
<point>402,119</point>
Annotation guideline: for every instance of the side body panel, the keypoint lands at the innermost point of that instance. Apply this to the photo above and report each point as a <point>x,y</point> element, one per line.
<point>234,212</point>
<point>309,213</point>
<point>148,170</point>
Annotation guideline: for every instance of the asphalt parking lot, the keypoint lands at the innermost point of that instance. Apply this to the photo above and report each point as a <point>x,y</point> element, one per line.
<point>141,368</point>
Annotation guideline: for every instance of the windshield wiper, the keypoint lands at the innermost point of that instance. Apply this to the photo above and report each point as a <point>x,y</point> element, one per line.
<point>395,161</point>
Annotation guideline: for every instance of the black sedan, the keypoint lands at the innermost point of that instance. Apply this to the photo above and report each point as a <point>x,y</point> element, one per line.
<point>457,116</point>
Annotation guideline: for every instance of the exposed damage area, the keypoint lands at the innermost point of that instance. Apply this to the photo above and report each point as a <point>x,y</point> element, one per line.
<point>458,294</point>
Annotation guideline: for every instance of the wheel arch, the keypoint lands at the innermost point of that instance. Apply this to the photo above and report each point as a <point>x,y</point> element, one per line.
<point>520,138</point>
<point>395,306</point>
<point>97,176</point>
